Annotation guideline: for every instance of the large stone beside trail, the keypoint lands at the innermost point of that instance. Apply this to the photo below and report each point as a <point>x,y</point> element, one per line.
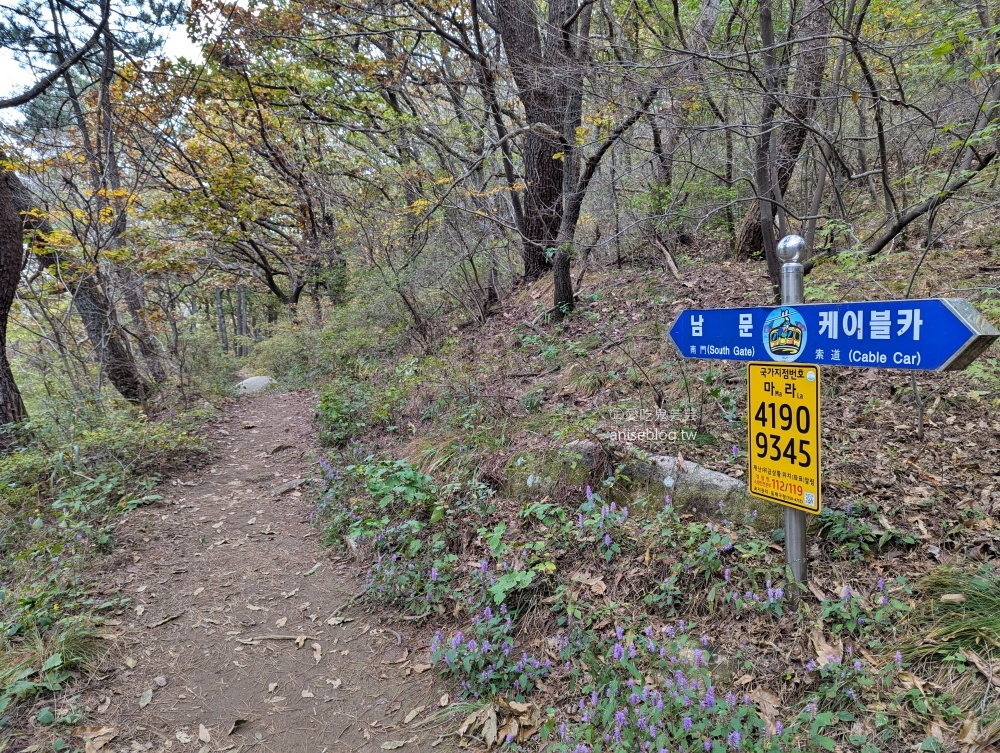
<point>254,384</point>
<point>552,472</point>
<point>700,490</point>
<point>686,482</point>
<point>690,486</point>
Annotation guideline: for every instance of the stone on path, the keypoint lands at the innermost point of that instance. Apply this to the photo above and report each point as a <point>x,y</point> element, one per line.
<point>254,384</point>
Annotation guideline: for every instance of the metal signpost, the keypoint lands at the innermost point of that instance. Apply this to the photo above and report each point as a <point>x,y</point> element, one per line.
<point>791,251</point>
<point>787,344</point>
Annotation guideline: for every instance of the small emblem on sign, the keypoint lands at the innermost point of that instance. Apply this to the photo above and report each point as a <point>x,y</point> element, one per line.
<point>785,334</point>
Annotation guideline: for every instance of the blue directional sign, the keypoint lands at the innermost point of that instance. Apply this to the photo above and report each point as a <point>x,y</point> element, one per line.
<point>934,334</point>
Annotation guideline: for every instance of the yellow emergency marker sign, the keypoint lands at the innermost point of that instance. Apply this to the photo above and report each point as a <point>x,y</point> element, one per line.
<point>784,434</point>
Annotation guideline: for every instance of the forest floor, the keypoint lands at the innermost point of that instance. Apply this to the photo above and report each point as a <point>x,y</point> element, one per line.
<point>241,634</point>
<point>239,628</point>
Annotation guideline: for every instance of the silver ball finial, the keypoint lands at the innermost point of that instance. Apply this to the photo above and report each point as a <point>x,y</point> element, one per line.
<point>792,249</point>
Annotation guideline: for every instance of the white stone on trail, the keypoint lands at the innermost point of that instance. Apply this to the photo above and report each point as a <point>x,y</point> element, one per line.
<point>253,385</point>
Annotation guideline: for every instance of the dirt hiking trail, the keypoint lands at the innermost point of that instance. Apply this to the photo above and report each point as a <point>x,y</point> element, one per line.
<point>240,635</point>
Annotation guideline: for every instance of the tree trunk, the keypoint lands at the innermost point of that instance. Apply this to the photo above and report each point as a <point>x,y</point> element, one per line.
<point>223,338</point>
<point>135,299</point>
<point>540,75</point>
<point>101,322</point>
<point>573,204</point>
<point>799,106</point>
<point>12,410</point>
<point>242,349</point>
<point>99,317</point>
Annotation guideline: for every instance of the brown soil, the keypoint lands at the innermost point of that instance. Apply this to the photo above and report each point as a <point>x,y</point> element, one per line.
<point>241,623</point>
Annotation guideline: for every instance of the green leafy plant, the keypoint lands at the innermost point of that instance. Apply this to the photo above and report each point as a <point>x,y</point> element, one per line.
<point>341,413</point>
<point>601,524</point>
<point>852,533</point>
<point>681,709</point>
<point>483,660</point>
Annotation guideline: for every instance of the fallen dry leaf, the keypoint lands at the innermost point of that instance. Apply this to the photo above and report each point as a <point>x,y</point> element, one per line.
<point>934,730</point>
<point>490,729</point>
<point>826,651</point>
<point>954,598</point>
<point>300,641</point>
<point>475,719</point>
<point>444,700</point>
<point>203,734</point>
<point>816,590</point>
<point>991,677</point>
<point>145,698</point>
<point>910,681</point>
<point>95,738</point>
<point>413,714</point>
<point>768,704</point>
<point>271,687</point>
<point>509,729</point>
<point>420,668</point>
<point>335,683</point>
<point>280,622</point>
<point>393,744</point>
<point>307,693</point>
<point>969,734</point>
<point>518,708</point>
<point>183,736</point>
<point>236,725</point>
<point>317,652</point>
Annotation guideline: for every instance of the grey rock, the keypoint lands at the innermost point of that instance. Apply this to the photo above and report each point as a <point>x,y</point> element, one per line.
<point>690,486</point>
<point>254,385</point>
<point>257,478</point>
<point>285,488</point>
<point>552,472</point>
<point>699,489</point>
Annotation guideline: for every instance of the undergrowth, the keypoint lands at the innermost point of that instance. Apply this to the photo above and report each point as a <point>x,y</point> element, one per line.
<point>59,495</point>
<point>646,683</point>
<point>626,622</point>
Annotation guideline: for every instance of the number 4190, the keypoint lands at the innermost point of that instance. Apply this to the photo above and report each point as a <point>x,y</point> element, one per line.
<point>769,415</point>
